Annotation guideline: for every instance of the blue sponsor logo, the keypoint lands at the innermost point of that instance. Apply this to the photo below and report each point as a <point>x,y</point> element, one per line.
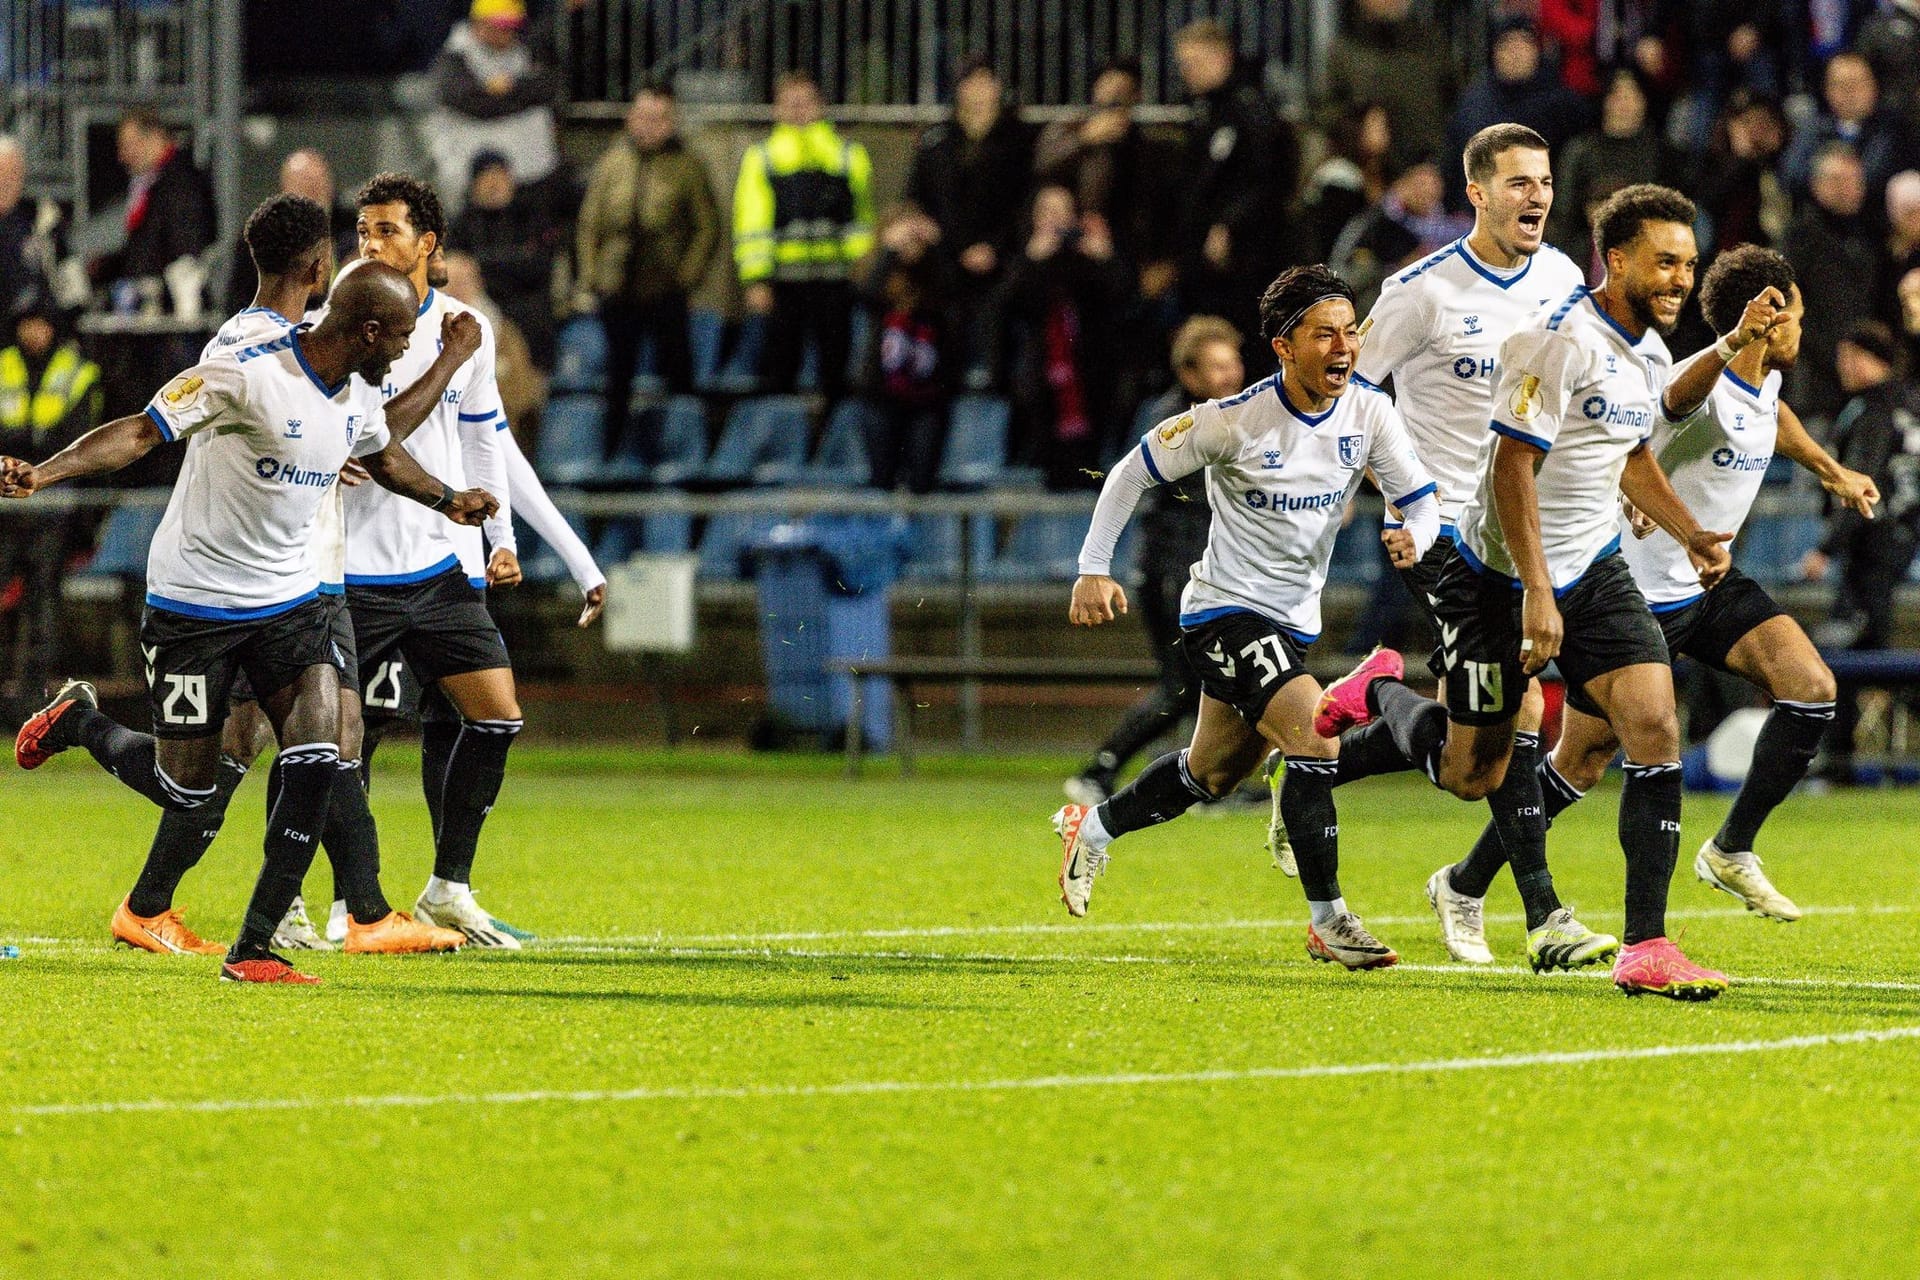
<point>291,473</point>
<point>1260,500</point>
<point>1594,406</point>
<point>1597,408</point>
<point>1735,461</point>
<point>1468,367</point>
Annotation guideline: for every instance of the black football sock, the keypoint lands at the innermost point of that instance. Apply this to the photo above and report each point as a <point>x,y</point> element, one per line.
<point>1163,791</point>
<point>1781,754</point>
<point>1520,820</point>
<point>307,775</point>
<point>475,769</point>
<point>437,737</point>
<point>1557,795</point>
<point>130,757</point>
<point>1418,725</point>
<point>182,840</point>
<point>1367,752</point>
<point>1313,825</point>
<point>352,843</point>
<point>1650,837</point>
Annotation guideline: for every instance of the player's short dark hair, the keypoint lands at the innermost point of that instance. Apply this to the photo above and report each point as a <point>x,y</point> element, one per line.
<point>1486,147</point>
<point>284,232</point>
<point>1736,278</point>
<point>423,202</point>
<point>1630,208</point>
<point>1293,293</point>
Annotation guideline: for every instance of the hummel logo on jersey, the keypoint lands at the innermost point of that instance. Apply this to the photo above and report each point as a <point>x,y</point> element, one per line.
<point>293,429</point>
<point>1613,364</point>
<point>1272,462</point>
<point>353,426</point>
<point>1739,421</point>
<point>1218,656</point>
<point>1473,326</point>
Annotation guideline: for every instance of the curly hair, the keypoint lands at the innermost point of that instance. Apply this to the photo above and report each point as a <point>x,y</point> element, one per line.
<point>423,202</point>
<point>1627,210</point>
<point>284,232</point>
<point>1293,293</point>
<point>1736,277</point>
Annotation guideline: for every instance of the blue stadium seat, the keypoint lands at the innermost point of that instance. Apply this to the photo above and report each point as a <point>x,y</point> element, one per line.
<point>934,547</point>
<point>569,448</point>
<point>976,453</point>
<point>707,340</point>
<point>682,437</point>
<point>726,539</point>
<point>580,359</point>
<point>124,537</point>
<point>1044,548</point>
<point>741,372</point>
<point>841,459</point>
<point>764,442</point>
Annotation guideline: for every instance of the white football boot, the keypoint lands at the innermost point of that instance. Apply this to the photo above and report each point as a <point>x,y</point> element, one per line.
<point>461,912</point>
<point>296,931</point>
<point>1462,919</point>
<point>1740,875</point>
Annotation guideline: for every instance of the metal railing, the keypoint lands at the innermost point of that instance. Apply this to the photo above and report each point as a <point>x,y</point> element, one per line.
<point>901,53</point>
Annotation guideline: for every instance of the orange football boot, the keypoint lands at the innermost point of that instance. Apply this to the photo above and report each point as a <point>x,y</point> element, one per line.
<point>398,933</point>
<point>164,934</point>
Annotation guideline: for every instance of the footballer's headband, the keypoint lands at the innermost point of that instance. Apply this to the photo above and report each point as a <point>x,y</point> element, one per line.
<point>1301,314</point>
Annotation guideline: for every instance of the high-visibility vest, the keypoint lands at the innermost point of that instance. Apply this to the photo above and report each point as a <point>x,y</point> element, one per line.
<point>803,206</point>
<point>69,378</point>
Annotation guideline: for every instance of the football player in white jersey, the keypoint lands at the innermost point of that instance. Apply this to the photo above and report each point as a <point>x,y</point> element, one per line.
<point>290,241</point>
<point>1716,459</point>
<point>231,580</point>
<point>1282,459</point>
<point>414,602</point>
<point>1436,331</point>
<point>1537,574</point>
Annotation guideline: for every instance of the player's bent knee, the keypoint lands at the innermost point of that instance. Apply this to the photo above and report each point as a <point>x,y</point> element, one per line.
<point>1812,682</point>
<point>1650,737</point>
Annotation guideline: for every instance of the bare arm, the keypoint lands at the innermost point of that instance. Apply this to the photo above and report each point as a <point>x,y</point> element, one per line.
<point>459,339</point>
<point>1517,503</point>
<point>109,448</point>
<point>394,468</point>
<point>1852,488</point>
<point>1691,387</point>
<point>1647,488</point>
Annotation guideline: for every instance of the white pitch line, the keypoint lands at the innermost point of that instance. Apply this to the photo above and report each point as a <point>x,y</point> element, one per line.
<point>865,1088</point>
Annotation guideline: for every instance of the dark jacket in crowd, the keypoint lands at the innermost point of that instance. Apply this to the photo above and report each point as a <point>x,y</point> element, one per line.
<point>1404,66</point>
<point>650,226</point>
<point>515,247</point>
<point>1133,183</point>
<point>912,358</point>
<point>1543,103</point>
<point>20,274</point>
<point>176,219</point>
<point>1835,261</point>
<point>974,188</point>
<point>1241,166</point>
<point>1890,42</point>
<point>1592,167</point>
<point>1878,434</point>
<point>1883,142</point>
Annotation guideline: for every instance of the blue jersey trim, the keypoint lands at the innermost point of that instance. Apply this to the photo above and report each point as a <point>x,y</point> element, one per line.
<point>1241,397</point>
<point>478,584</point>
<point>1205,616</point>
<point>1359,381</point>
<point>280,343</point>
<point>426,302</point>
<point>1672,606</point>
<point>1152,470</point>
<point>1615,325</point>
<point>402,579</point>
<point>488,416</point>
<point>270,311</point>
<point>161,423</point>
<point>1474,563</point>
<point>212,614</point>
<point>1515,433</point>
<point>1416,495</point>
<point>1311,419</point>
<point>1560,313</point>
<point>1428,263</point>
<point>293,337</point>
<point>1486,272</point>
<point>1740,382</point>
<point>333,588</point>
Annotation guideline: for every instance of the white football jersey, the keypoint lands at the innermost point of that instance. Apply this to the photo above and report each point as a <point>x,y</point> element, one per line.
<point>266,441</point>
<point>1716,460</point>
<point>1574,384</point>
<point>1279,480</point>
<point>1436,331</point>
<point>393,540</point>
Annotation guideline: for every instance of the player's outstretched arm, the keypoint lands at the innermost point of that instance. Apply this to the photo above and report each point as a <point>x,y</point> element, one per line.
<point>107,448</point>
<point>1850,487</point>
<point>1689,390</point>
<point>394,468</point>
<point>459,340</point>
<point>1646,486</point>
<point>1516,501</point>
<point>531,501</point>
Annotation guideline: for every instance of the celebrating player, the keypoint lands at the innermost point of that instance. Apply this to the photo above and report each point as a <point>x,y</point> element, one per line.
<point>1282,458</point>
<point>1716,459</point>
<point>231,582</point>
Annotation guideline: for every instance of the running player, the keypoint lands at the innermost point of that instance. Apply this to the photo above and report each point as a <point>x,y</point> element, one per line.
<point>231,583</point>
<point>1283,458</point>
<point>413,601</point>
<point>1437,331</point>
<point>1716,459</point>
<point>1537,576</point>
<point>290,241</point>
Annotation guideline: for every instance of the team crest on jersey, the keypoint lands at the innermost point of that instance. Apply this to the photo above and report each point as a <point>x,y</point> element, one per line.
<point>182,392</point>
<point>1473,326</point>
<point>1350,450</point>
<point>1525,401</point>
<point>1174,434</point>
<point>353,427</point>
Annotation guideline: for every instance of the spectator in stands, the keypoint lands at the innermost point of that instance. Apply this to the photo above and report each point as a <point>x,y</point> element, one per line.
<point>1835,257</point>
<point>1410,222</point>
<point>49,397</point>
<point>494,97</point>
<point>1517,86</point>
<point>170,210</point>
<point>1354,176</point>
<point>1625,149</point>
<point>514,236</point>
<point>1877,434</point>
<point>1732,45</point>
<point>649,230</point>
<point>911,364</point>
<point>1590,40</point>
<point>1173,533</point>
<point>1890,42</point>
<point>1382,56</point>
<point>523,384</point>
<point>1852,114</point>
<point>1902,257</point>
<point>971,175</point>
<point>1737,180</point>
<point>303,173</point>
<point>802,218</point>
<point>1059,292</point>
<point>20,270</point>
<point>1241,167</point>
<point>1115,169</point>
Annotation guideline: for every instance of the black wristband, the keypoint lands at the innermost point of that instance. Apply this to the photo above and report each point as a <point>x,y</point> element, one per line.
<point>445,499</point>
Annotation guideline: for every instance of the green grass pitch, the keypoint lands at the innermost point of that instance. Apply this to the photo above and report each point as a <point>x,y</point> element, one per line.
<point>782,1024</point>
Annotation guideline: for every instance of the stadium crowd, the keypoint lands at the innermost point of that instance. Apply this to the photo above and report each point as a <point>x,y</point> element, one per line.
<point>1030,281</point>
